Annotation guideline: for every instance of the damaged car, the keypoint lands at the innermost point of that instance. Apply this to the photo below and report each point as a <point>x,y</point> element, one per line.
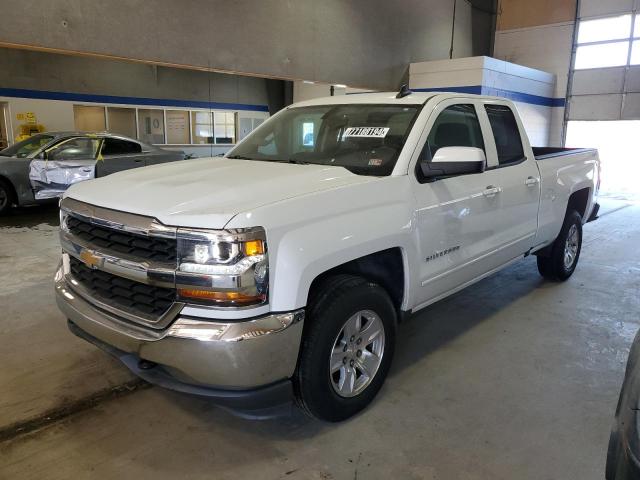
<point>43,166</point>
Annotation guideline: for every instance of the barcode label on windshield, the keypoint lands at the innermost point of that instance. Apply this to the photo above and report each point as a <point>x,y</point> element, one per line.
<point>366,132</point>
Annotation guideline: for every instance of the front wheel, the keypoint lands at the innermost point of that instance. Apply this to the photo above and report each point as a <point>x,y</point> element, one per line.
<point>347,347</point>
<point>6,197</point>
<point>565,250</point>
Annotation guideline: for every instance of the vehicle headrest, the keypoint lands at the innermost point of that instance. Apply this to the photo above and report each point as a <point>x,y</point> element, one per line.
<point>452,134</point>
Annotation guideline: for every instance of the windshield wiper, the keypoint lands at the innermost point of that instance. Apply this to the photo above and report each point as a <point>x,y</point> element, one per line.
<point>296,162</point>
<point>291,160</point>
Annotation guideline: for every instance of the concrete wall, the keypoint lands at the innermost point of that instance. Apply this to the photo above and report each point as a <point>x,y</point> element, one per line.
<point>30,81</point>
<point>361,43</point>
<point>67,73</point>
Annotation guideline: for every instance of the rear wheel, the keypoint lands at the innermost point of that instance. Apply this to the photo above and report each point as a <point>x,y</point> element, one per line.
<point>6,197</point>
<point>347,347</point>
<point>565,250</point>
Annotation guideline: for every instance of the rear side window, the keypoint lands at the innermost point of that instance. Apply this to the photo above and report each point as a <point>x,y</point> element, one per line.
<point>456,126</point>
<point>506,134</point>
<point>117,146</point>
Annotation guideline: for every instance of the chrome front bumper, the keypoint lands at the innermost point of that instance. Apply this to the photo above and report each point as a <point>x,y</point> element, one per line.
<point>230,354</point>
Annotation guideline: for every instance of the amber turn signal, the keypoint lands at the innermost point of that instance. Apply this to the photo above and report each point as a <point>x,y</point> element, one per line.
<point>217,296</point>
<point>253,247</point>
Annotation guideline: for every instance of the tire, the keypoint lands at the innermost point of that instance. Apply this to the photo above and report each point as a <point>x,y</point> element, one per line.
<point>6,197</point>
<point>337,392</point>
<point>613,456</point>
<point>562,260</point>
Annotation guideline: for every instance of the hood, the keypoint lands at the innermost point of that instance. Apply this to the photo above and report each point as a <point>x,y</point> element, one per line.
<point>208,192</point>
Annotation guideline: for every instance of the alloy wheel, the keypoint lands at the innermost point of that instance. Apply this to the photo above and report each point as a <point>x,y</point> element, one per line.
<point>357,353</point>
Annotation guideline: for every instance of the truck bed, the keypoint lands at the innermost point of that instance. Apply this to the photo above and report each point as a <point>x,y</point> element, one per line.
<point>542,153</point>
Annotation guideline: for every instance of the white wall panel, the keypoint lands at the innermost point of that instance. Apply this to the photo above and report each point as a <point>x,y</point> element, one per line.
<point>593,8</point>
<point>595,107</point>
<point>536,121</point>
<point>631,107</point>
<point>458,78</point>
<point>54,115</point>
<point>547,48</point>
<point>600,80</point>
<point>555,132</point>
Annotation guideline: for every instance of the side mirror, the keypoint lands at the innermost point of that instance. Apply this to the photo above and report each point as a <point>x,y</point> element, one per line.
<point>453,161</point>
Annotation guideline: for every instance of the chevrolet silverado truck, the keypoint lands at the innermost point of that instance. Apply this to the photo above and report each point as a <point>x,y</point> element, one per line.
<point>282,270</point>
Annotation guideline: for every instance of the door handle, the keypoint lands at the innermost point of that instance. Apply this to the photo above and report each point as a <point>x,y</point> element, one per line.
<point>491,191</point>
<point>531,181</point>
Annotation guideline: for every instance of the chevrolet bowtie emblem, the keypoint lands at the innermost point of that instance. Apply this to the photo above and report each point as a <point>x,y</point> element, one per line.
<point>90,259</point>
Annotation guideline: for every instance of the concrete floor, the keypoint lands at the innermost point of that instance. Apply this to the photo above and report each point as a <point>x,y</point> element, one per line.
<point>512,378</point>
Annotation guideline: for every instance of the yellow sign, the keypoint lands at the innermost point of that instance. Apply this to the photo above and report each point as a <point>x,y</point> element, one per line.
<point>31,118</point>
<point>20,116</point>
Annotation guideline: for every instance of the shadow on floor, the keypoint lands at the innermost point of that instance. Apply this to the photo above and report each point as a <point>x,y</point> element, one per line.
<point>27,217</point>
<point>418,337</point>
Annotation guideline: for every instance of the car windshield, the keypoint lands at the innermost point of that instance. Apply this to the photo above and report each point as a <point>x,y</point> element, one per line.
<point>365,139</point>
<point>26,147</point>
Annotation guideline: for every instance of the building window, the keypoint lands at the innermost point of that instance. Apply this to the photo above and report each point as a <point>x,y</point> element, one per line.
<point>122,121</point>
<point>89,118</point>
<point>178,132</point>
<point>608,42</point>
<point>225,127</point>
<point>151,126</point>
<point>202,127</point>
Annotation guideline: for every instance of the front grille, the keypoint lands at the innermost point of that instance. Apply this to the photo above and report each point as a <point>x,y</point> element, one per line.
<point>147,248</point>
<point>121,292</point>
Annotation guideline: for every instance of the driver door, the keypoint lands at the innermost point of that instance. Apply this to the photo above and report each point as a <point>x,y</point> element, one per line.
<point>67,162</point>
<point>454,214</point>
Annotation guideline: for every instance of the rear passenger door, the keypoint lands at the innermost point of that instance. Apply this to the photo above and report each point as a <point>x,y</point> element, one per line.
<point>518,177</point>
<point>118,154</point>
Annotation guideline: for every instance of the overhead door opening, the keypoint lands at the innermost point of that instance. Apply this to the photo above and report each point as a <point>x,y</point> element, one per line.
<point>618,144</point>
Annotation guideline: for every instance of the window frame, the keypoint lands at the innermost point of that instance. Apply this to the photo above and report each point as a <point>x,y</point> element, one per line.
<point>485,129</point>
<point>634,35</point>
<point>520,128</point>
<point>256,121</point>
<point>62,141</point>
<point>122,139</point>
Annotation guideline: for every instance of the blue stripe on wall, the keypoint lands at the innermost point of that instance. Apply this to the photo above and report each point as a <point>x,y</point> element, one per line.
<point>499,92</point>
<point>156,102</point>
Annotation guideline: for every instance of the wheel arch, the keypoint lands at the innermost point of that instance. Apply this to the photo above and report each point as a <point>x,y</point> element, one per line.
<point>579,201</point>
<point>12,189</point>
<point>386,268</point>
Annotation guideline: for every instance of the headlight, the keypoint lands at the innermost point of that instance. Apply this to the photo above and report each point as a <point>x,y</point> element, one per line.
<point>225,268</point>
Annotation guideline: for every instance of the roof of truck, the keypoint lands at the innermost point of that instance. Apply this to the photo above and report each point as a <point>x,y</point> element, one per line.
<point>415,98</point>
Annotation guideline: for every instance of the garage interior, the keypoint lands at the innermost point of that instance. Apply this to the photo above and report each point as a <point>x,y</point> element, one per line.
<point>513,377</point>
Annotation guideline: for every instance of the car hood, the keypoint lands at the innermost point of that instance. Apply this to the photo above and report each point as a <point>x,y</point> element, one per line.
<point>208,192</point>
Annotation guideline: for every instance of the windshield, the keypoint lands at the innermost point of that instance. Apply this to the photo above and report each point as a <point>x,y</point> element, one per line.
<point>365,139</point>
<point>26,147</point>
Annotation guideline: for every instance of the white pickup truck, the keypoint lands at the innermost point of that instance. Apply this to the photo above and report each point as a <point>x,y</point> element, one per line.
<point>283,269</point>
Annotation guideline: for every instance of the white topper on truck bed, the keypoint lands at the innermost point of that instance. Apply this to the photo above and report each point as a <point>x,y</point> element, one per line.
<point>283,269</point>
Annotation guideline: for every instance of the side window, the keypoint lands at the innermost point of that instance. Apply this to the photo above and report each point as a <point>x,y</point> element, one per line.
<point>506,134</point>
<point>456,126</point>
<point>117,146</point>
<point>79,148</point>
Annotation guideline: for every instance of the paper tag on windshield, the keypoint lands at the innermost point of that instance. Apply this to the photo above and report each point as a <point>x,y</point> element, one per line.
<point>366,132</point>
